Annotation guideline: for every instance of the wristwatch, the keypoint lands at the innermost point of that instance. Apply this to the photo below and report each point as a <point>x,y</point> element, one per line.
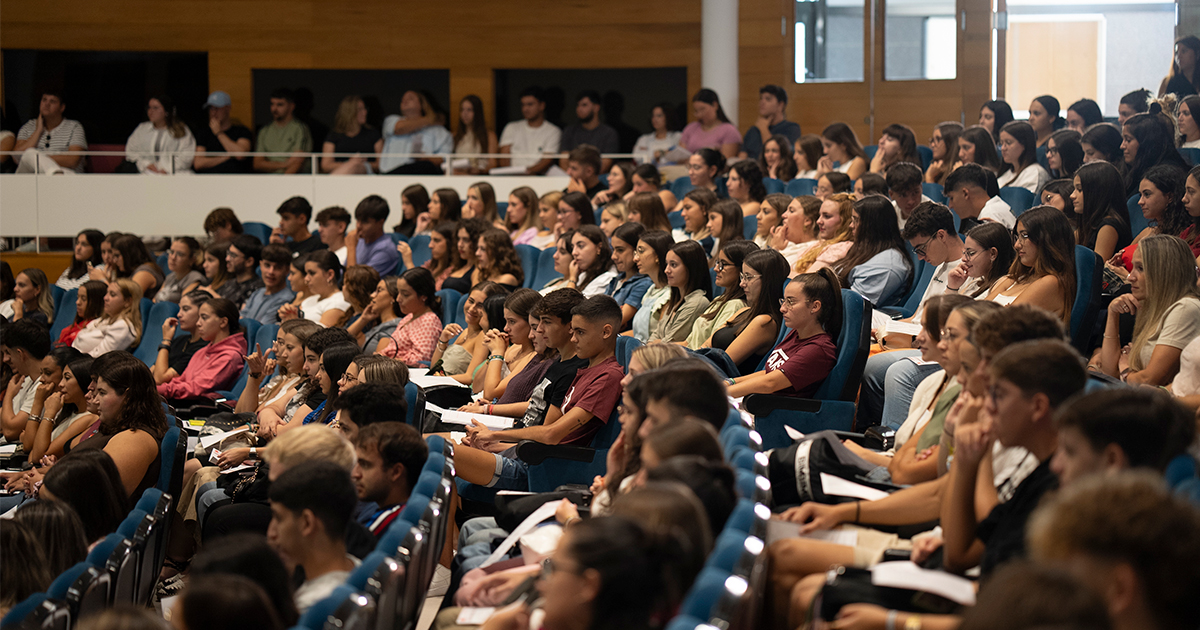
<point>253,452</point>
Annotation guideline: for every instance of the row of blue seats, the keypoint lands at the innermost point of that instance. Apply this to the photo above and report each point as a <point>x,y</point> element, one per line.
<point>388,589</point>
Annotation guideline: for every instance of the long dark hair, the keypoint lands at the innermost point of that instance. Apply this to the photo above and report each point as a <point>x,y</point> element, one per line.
<point>1155,135</point>
<point>736,252</point>
<point>326,260</point>
<point>1050,231</point>
<point>60,530</point>
<point>218,251</point>
<point>651,211</point>
<point>1088,110</point>
<point>774,270</point>
<point>335,359</point>
<point>493,309</point>
<point>1193,42</point>
<point>451,204</point>
<point>81,369</point>
<point>79,268</point>
<point>710,97</point>
<point>1070,151</point>
<point>696,265</point>
<point>1169,179</point>
<point>227,310</point>
<point>732,220</point>
<point>418,197</point>
<point>750,173</point>
<point>421,281</point>
<point>603,257</point>
<point>1105,138</point>
<point>1022,132</point>
<point>582,205</point>
<point>1103,197</point>
<point>787,169</point>
<point>478,124</point>
<point>1001,115</point>
<point>133,254</point>
<point>841,133</point>
<point>660,241</point>
<point>250,556</point>
<point>908,143</point>
<point>87,480</point>
<point>95,290</point>
<point>448,231</point>
<point>1052,107</point>
<point>629,233</point>
<point>63,357</point>
<point>823,286</point>
<point>994,236</point>
<point>142,408</point>
<point>502,257</point>
<point>985,147</point>
<point>877,232</point>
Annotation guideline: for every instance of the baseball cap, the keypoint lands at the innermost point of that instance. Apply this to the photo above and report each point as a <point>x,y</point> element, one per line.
<point>218,99</point>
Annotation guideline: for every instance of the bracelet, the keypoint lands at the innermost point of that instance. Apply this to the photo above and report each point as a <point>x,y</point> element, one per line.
<point>256,375</point>
<point>495,357</point>
<point>253,451</point>
<point>33,418</point>
<point>489,409</point>
<point>164,346</point>
<point>730,381</point>
<point>1112,336</point>
<point>891,620</point>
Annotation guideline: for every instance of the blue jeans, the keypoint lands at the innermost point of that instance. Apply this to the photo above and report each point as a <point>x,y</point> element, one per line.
<point>510,474</point>
<point>889,381</point>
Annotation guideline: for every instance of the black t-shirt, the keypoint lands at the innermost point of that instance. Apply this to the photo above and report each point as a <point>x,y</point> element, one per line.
<point>1003,531</point>
<point>1124,235</point>
<point>237,292</point>
<point>207,139</point>
<point>552,389</point>
<point>182,349</point>
<point>310,244</point>
<point>363,143</point>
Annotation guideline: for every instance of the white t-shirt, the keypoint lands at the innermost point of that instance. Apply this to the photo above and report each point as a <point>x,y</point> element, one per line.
<point>101,336</point>
<point>997,210</point>
<point>1194,144</point>
<point>314,307</point>
<point>1032,178</point>
<point>341,254</point>
<point>900,214</point>
<point>649,143</point>
<point>937,285</point>
<point>522,138</point>
<point>318,588</point>
<point>599,284</point>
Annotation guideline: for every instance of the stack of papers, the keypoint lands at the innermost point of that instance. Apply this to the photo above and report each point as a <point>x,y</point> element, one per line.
<point>449,416</point>
<point>425,381</point>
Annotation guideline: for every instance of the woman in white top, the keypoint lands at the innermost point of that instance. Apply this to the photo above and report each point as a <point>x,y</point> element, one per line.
<point>1164,298</point>
<point>1043,274</point>
<point>1189,129</point>
<point>59,406</point>
<point>808,153</point>
<point>86,256</point>
<point>153,144</point>
<point>522,218</point>
<point>769,217</point>
<point>650,258</point>
<point>325,304</point>
<point>591,261</point>
<point>473,136</point>
<point>120,326</point>
<point>653,147</point>
<point>843,148</point>
<point>1018,150</point>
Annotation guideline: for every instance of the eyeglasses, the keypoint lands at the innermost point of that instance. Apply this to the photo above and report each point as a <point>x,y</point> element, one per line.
<point>749,277</point>
<point>720,265</point>
<point>790,303</point>
<point>1051,150</point>
<point>969,253</point>
<point>1020,236</point>
<point>920,249</point>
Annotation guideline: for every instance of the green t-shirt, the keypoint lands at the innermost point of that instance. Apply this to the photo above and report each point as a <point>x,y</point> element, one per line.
<point>933,431</point>
<point>284,140</point>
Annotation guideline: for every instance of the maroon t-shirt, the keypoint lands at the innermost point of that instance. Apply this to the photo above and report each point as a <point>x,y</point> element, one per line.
<point>596,390</point>
<point>805,362</point>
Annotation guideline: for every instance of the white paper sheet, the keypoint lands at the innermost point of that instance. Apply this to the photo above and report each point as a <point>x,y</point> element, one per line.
<point>909,575</point>
<point>8,449</point>
<point>903,328</point>
<point>839,487</point>
<point>468,616</point>
<point>542,513</point>
<point>427,381</point>
<point>236,469</point>
<point>778,530</point>
<point>209,440</point>
<point>451,416</point>
<point>508,170</point>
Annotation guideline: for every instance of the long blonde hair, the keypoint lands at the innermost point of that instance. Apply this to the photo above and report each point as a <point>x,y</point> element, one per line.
<point>132,312</point>
<point>347,114</point>
<point>1169,275</point>
<point>845,202</point>
<point>45,302</point>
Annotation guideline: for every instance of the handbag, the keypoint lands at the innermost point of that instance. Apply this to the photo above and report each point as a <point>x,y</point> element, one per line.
<point>848,585</point>
<point>795,471</point>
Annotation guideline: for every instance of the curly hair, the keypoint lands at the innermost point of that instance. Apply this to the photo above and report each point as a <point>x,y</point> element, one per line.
<point>502,256</point>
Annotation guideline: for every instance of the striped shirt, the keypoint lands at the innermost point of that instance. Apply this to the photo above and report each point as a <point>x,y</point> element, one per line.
<point>67,134</point>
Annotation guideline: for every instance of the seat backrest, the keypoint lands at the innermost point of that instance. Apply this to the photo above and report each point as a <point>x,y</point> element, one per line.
<point>386,586</point>
<point>1191,156</point>
<point>870,150</point>
<point>393,536</point>
<point>319,612</point>
<point>426,484</point>
<point>625,348</point>
<point>260,230</point>
<point>363,572</point>
<point>1089,274</point>
<point>56,296</point>
<point>926,156</point>
<point>436,443</point>
<point>1019,199</point>
<point>250,328</point>
<point>450,299</point>
<point>798,187</point>
<point>414,546</point>
<point>416,404</point>
<point>23,611</point>
<point>750,226</point>
<point>676,220</point>
<point>545,269</point>
<point>460,316</point>
<point>122,564</point>
<point>90,592</point>
<point>1042,158</point>
<point>853,346</point>
<point>773,185</point>
<point>934,191</point>
<point>681,186</point>
<point>64,317</point>
<point>922,276</point>
<point>174,452</point>
<point>529,262</point>
<point>152,321</point>
<point>264,338</point>
<point>1137,219</point>
<point>414,509</point>
<point>705,591</point>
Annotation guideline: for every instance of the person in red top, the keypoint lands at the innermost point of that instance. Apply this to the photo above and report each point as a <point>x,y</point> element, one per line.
<point>812,308</point>
<point>216,365</point>
<point>88,306</point>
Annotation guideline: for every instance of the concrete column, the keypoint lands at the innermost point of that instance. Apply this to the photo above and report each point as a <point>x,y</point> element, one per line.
<point>719,52</point>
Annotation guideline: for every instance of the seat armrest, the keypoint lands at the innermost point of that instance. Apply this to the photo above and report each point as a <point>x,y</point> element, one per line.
<point>762,404</point>
<point>534,453</point>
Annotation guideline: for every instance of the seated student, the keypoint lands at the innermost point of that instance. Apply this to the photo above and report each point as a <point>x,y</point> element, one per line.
<point>1064,154</point>
<point>121,325</point>
<point>325,304</point>
<point>331,367</point>
<point>977,146</point>
<point>620,185</point>
<point>969,194</point>
<point>876,266</point>
<point>591,268</point>
<point>574,210</point>
<point>770,216</point>
<point>562,262</point>
<point>1164,298</point>
<point>457,359</point>
<point>748,334</point>
<point>215,270</point>
<point>241,261</point>
<point>1100,215</point>
<point>694,209</point>
<point>649,210</point>
<point>57,529</point>
<point>519,387</point>
<point>1161,200</point>
<point>221,225</point>
<point>1044,272</point>
<point>88,482</point>
<point>647,179</point>
<point>629,286</point>
<point>443,259</point>
<point>86,255</point>
<point>175,352</point>
<point>944,146</point>
<point>216,365</point>
<point>89,305</point>
<point>650,258</point>
<point>1147,140</point>
<point>379,316</point>
<point>415,130</point>
<point>686,270</point>
<point>466,241</point>
<point>613,215</point>
<point>358,283</point>
<point>703,168</point>
<point>264,303</point>
<point>181,260</point>
<point>331,228</point>
<point>1057,193</point>
<point>843,152</point>
<point>311,394</point>
<point>105,271</point>
<point>249,556</point>
<point>492,322</point>
<point>778,160</point>
<point>792,223</point>
<point>509,345</point>
<point>897,144</point>
<point>389,460</point>
<point>807,153</point>
<point>131,259</point>
<point>812,308</point>
<point>728,265</point>
<point>444,206</point>
<point>580,408</point>
<point>311,504</point>
<point>351,134</point>
<point>711,129</point>
<point>903,186</point>
<point>725,222</point>
<point>280,388</point>
<point>367,244</point>
<point>31,298</point>
<point>24,345</point>
<point>584,165</point>
<point>835,235</point>
<point>373,401</point>
<point>522,219</point>
<point>294,215</point>
<point>28,571</point>
<point>1018,150</point>
<point>497,260</point>
<point>1138,559</point>
<point>64,414</point>
<point>49,371</point>
<point>745,186</point>
<point>986,257</point>
<point>211,601</point>
<point>829,184</point>
<point>871,184</point>
<point>1102,142</point>
<point>162,145</point>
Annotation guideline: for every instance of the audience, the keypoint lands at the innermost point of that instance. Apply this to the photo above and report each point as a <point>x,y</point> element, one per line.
<point>131,259</point>
<point>1044,118</point>
<point>686,270</point>
<point>977,146</point>
<point>264,303</point>
<point>285,136</point>
<point>1018,151</point>
<point>175,351</point>
<point>181,260</point>
<point>481,204</point>
<point>591,268</point>
<point>993,115</point>
<point>42,138</point>
<point>389,460</point>
<point>531,137</point>
<point>416,333</point>
<point>943,144</point>
<point>120,327</point>
<point>1099,211</point>
<point>1184,76</point>
<point>629,286</point>
<point>834,236</point>
<point>745,186</point>
<point>31,298</point>
<point>351,134</point>
<point>89,305</point>
<point>778,159</point>
<point>650,258</point>
<point>1103,142</point>
<point>808,152</point>
<point>972,193</point>
<point>26,568</point>
<point>163,145</point>
<point>711,129</point>
<point>473,136</point>
<point>294,215</point>
<point>749,333</point>
<point>325,304</point>
<point>654,146</point>
<point>843,152</point>
<point>1064,153</point>
<point>522,218</point>
<point>222,135</point>
<point>728,267</point>
<point>1083,114</point>
<point>1147,140</point>
<point>1043,273</point>
<point>897,144</point>
<point>414,139</point>
<point>725,222</point>
<point>58,530</point>
<point>367,244</point>
<point>414,210</point>
<point>589,130</point>
<point>903,186</point>
<point>216,365</point>
<point>86,255</point>
<point>1189,130</point>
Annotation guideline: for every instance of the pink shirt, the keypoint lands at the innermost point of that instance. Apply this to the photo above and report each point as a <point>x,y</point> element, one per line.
<point>695,137</point>
<point>414,340</point>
